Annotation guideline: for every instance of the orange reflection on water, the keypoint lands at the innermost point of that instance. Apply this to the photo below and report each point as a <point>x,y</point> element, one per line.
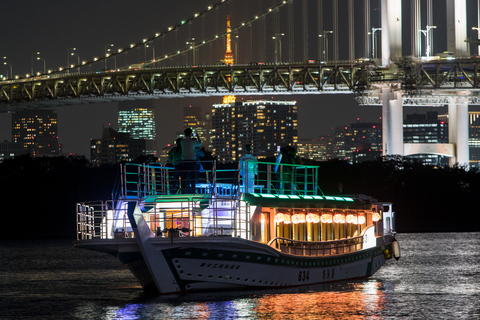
<point>365,299</point>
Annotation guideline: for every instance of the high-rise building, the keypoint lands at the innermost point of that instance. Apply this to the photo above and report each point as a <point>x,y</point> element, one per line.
<point>358,142</point>
<point>320,149</point>
<point>474,139</point>
<point>201,123</point>
<point>139,123</point>
<point>115,147</point>
<point>10,150</point>
<point>266,125</point>
<point>426,128</point>
<point>36,131</point>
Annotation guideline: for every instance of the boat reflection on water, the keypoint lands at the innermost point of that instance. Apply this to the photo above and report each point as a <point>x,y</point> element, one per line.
<point>361,299</point>
<point>327,301</point>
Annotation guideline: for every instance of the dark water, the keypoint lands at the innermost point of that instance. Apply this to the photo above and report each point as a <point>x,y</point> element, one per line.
<point>438,277</point>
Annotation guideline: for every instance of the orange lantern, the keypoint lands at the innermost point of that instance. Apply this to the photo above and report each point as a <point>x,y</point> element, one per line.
<point>361,219</point>
<point>349,218</point>
<point>298,218</point>
<point>279,217</point>
<point>313,218</point>
<point>286,219</point>
<point>326,218</point>
<point>376,216</point>
<point>339,218</point>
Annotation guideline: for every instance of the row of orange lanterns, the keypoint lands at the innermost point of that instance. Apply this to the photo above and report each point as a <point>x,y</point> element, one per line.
<point>324,218</point>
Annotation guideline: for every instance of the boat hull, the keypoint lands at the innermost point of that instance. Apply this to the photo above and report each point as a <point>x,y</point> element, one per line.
<point>228,263</point>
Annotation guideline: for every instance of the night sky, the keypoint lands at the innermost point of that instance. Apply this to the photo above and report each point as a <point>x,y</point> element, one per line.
<point>52,27</point>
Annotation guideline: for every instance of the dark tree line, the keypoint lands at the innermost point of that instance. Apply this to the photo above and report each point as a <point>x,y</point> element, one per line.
<point>425,198</point>
<point>39,194</point>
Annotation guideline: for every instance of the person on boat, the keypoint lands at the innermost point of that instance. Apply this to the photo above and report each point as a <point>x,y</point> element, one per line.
<point>175,157</point>
<point>189,165</point>
<point>248,170</point>
<point>286,175</point>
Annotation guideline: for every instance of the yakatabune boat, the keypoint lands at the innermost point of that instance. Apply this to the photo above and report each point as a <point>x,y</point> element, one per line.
<point>221,238</point>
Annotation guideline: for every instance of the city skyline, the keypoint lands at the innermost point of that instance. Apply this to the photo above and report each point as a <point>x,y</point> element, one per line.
<point>60,36</point>
<point>78,124</point>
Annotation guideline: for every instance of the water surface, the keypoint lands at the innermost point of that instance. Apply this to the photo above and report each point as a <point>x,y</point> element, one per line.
<point>437,277</point>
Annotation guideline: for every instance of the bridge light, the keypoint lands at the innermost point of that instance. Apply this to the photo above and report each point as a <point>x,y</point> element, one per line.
<point>209,7</point>
<point>145,40</point>
<point>132,45</point>
<point>196,15</point>
<point>157,34</point>
<point>84,62</point>
<point>170,28</point>
<point>95,59</point>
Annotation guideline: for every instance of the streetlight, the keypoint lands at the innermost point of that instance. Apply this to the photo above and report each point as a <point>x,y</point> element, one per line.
<point>191,45</point>
<point>325,44</point>
<point>278,47</point>
<point>107,49</point>
<point>373,40</point>
<point>35,54</point>
<point>71,53</point>
<point>427,42</point>
<point>478,38</point>
<point>8,64</point>
<point>236,45</point>
<point>44,63</point>
<point>153,54</point>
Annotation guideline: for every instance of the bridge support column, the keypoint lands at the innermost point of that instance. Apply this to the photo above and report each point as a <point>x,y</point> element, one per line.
<point>458,131</point>
<point>392,122</point>
<point>391,30</point>
<point>457,27</point>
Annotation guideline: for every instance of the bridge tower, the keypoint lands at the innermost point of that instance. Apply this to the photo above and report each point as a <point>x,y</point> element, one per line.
<point>457,27</point>
<point>391,31</point>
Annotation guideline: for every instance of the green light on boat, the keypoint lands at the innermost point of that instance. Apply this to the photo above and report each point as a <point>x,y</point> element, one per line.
<point>318,197</point>
<point>339,199</point>
<point>308,197</point>
<point>294,197</point>
<point>329,198</point>
<point>349,199</point>
<point>268,195</point>
<point>282,196</point>
<point>256,195</point>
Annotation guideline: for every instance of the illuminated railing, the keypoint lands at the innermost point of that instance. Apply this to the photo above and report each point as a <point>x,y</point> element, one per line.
<point>181,217</point>
<point>311,248</point>
<point>142,180</point>
<point>103,220</point>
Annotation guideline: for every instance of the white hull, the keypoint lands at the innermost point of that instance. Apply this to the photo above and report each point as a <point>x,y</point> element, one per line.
<point>228,263</point>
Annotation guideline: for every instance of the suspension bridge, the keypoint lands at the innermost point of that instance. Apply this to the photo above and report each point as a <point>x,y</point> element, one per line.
<point>287,47</point>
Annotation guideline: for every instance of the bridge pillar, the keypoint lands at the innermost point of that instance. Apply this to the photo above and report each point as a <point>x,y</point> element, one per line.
<point>458,131</point>
<point>457,27</point>
<point>391,31</point>
<point>392,122</point>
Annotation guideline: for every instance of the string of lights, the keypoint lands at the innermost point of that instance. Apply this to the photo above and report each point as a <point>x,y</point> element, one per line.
<point>169,30</point>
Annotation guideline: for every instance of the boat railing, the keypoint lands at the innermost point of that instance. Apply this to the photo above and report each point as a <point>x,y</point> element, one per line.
<point>186,216</point>
<point>141,180</point>
<point>103,220</point>
<point>317,248</point>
